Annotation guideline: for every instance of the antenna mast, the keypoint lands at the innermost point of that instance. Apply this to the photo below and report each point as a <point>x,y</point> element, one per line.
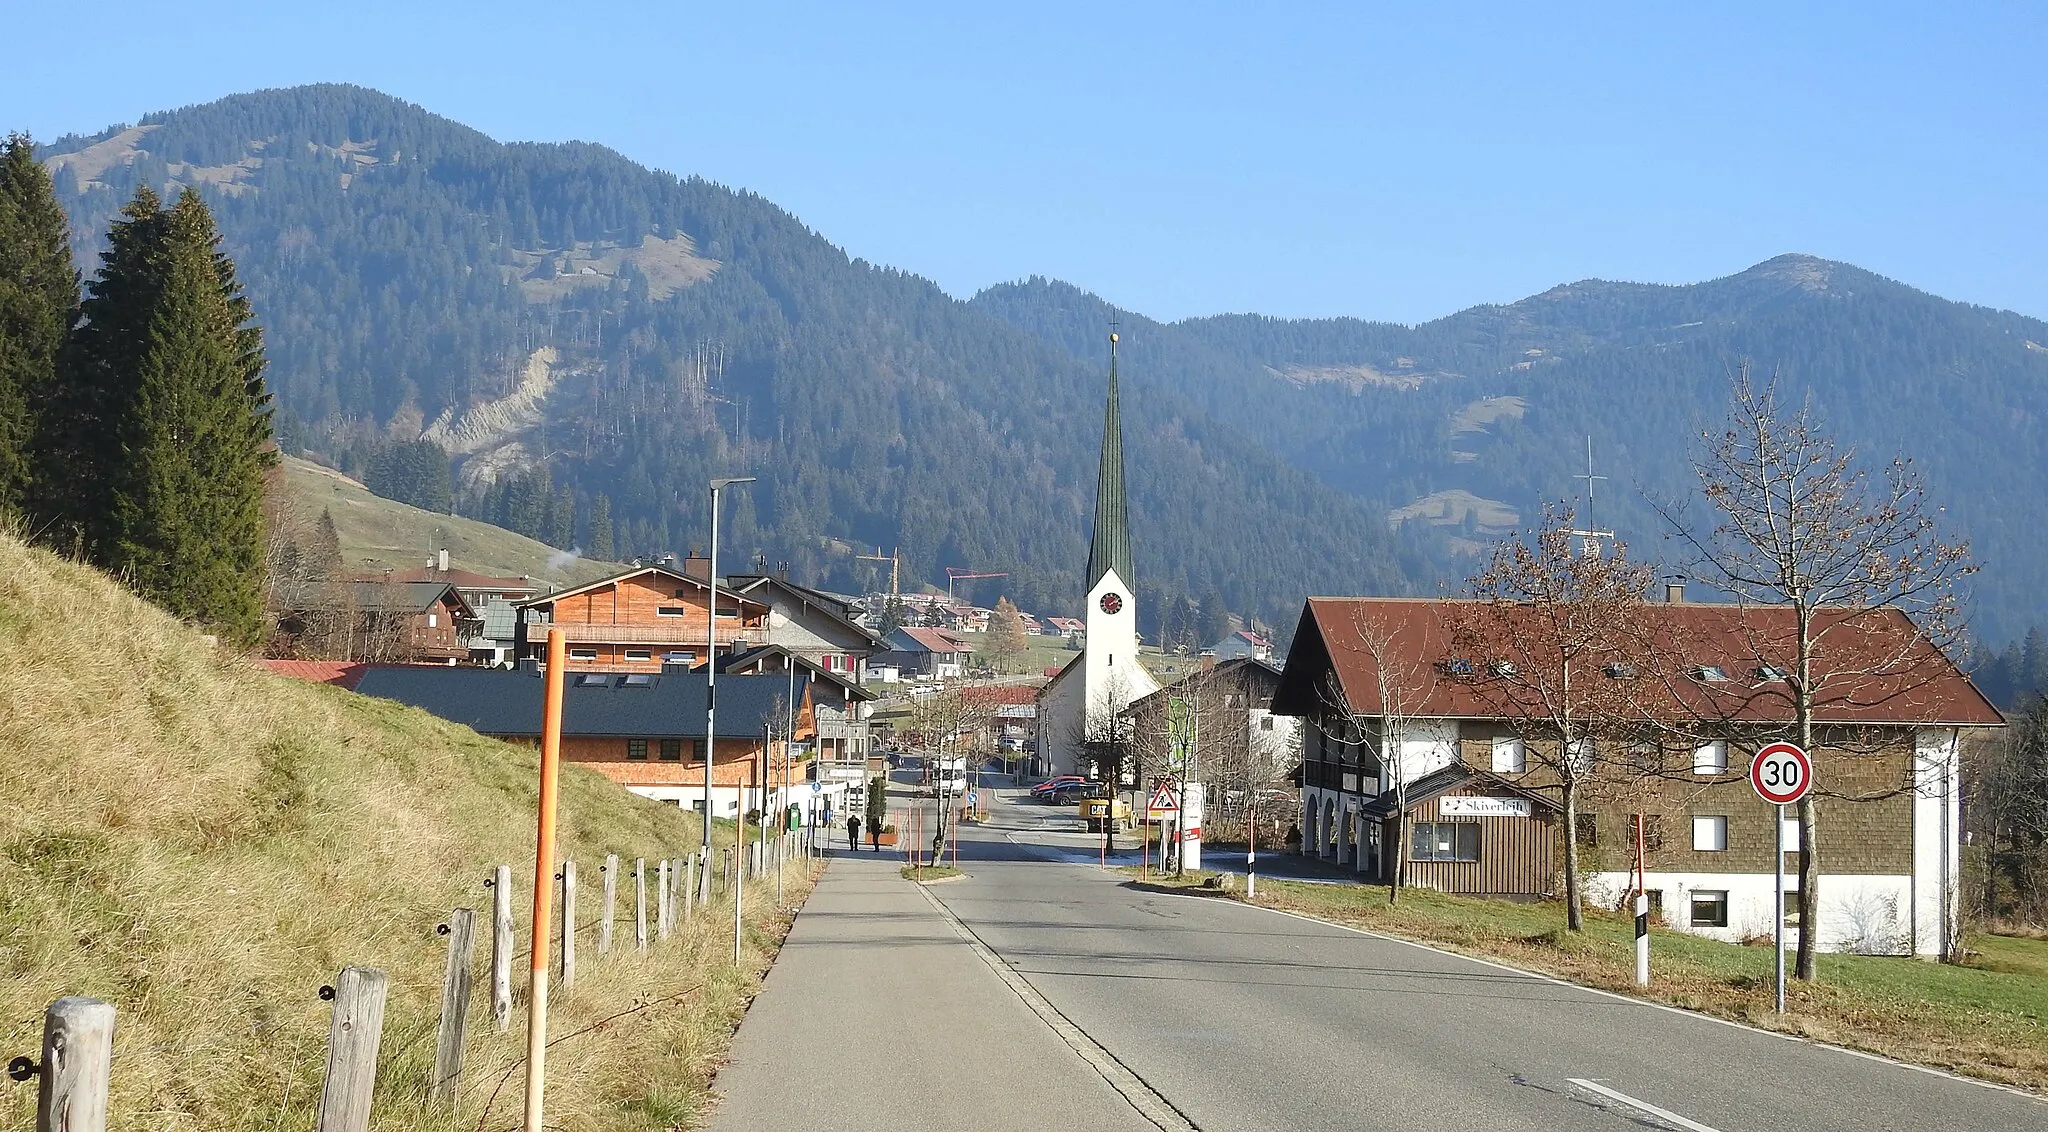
<point>1590,536</point>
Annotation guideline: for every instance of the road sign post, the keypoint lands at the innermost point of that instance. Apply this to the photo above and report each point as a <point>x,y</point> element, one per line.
<point>1781,774</point>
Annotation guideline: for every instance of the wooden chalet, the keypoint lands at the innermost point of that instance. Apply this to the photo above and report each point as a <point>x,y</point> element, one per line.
<point>639,620</point>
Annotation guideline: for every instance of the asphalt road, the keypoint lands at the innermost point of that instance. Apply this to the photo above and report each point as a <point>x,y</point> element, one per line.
<point>1242,1018</point>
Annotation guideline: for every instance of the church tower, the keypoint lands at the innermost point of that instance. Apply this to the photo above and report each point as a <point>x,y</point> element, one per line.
<point>1077,711</point>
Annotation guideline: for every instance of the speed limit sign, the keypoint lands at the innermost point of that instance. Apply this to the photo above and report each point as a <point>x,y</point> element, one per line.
<point>1781,773</point>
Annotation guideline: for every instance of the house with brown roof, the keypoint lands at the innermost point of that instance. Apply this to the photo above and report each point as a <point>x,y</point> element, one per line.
<point>638,620</point>
<point>385,620</point>
<point>1482,804</point>
<point>918,651</point>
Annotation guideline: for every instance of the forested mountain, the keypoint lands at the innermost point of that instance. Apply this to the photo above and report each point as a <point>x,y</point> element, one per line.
<point>579,333</point>
<point>1466,422</point>
<point>569,325</point>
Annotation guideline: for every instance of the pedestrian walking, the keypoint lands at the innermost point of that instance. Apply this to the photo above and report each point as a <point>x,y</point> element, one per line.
<point>875,833</point>
<point>853,832</point>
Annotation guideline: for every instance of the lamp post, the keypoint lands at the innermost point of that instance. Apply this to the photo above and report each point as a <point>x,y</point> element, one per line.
<point>711,692</point>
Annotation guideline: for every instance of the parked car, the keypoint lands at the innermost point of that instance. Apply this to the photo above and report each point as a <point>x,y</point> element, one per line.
<point>1070,792</point>
<point>1056,780</point>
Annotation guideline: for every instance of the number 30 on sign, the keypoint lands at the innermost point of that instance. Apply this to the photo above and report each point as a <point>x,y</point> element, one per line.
<point>1781,773</point>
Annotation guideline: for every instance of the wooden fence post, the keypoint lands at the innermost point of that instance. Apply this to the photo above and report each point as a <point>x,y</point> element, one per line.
<point>611,903</point>
<point>352,1039</point>
<point>640,903</point>
<point>568,964</point>
<point>690,884</point>
<point>78,1060</point>
<point>456,983</point>
<point>501,947</point>
<point>661,899</point>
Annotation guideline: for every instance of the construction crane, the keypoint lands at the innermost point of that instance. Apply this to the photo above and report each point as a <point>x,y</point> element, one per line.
<point>956,574</point>
<point>895,565</point>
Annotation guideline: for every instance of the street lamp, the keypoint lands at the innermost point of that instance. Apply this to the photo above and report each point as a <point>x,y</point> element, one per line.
<point>711,696</point>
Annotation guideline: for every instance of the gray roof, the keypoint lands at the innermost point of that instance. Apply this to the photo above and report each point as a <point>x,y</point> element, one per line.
<point>500,701</point>
<point>1445,779</point>
<point>417,597</point>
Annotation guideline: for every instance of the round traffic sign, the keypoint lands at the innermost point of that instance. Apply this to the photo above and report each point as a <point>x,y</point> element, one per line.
<point>1781,773</point>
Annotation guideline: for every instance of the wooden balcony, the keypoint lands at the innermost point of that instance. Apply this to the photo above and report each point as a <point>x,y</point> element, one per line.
<point>680,634</point>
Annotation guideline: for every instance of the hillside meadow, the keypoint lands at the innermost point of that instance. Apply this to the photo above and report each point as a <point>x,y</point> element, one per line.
<point>205,845</point>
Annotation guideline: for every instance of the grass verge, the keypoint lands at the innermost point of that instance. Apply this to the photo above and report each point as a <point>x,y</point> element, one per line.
<point>1987,1018</point>
<point>203,845</point>
<point>926,874</point>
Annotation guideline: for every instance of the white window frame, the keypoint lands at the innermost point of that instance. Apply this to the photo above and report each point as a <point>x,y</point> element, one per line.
<point>1510,755</point>
<point>1710,758</point>
<point>639,654</point>
<point>1692,907</point>
<point>582,654</point>
<point>433,620</point>
<point>1710,833</point>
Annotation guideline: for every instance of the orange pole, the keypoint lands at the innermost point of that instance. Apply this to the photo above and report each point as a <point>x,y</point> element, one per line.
<point>544,881</point>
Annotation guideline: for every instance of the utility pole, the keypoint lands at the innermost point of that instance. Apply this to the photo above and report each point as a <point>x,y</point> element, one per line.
<point>711,705</point>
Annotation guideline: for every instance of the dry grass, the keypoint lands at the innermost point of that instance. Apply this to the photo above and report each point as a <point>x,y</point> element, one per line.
<point>1988,1019</point>
<point>204,845</point>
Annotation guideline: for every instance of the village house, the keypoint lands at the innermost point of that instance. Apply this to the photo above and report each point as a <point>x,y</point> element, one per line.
<point>811,623</point>
<point>644,730</point>
<point>639,620</point>
<point>916,651</point>
<point>1483,809</point>
<point>1242,743</point>
<point>841,709</point>
<point>1240,643</point>
<point>387,620</point>
<point>495,600</point>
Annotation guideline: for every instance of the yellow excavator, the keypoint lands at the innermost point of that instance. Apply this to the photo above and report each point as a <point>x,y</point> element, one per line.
<point>1108,808</point>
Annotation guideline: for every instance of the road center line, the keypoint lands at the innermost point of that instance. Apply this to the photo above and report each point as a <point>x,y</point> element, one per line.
<point>1665,1115</point>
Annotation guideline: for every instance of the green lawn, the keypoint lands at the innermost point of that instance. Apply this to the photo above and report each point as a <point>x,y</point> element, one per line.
<point>1987,1018</point>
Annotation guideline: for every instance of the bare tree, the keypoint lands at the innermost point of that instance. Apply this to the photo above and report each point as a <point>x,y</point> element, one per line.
<point>1401,679</point>
<point>1802,526</point>
<point>1552,644</point>
<point>2007,813</point>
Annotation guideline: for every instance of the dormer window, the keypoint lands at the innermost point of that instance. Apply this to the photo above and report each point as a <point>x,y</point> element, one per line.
<point>1501,668</point>
<point>1709,674</point>
<point>1454,666</point>
<point>1620,671</point>
<point>1769,672</point>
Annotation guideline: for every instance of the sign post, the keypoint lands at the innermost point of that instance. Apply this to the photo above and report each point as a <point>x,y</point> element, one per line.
<point>1781,774</point>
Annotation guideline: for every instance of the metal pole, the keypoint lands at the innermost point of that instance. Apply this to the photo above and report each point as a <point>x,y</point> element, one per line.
<point>544,881</point>
<point>1642,911</point>
<point>711,668</point>
<point>739,871</point>
<point>1778,903</point>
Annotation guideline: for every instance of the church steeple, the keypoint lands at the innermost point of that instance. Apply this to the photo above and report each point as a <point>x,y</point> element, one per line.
<point>1111,546</point>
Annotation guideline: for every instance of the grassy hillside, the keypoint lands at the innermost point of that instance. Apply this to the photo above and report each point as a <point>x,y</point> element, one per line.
<point>377,532</point>
<point>204,845</point>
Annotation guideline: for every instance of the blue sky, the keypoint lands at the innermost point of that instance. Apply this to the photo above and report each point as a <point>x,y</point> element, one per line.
<point>1396,162</point>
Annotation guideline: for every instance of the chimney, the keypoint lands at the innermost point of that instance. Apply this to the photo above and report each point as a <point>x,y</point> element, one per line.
<point>1674,589</point>
<point>696,565</point>
<point>442,558</point>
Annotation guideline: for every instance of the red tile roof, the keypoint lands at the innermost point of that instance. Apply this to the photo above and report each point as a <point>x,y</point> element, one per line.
<point>1871,666</point>
<point>340,673</point>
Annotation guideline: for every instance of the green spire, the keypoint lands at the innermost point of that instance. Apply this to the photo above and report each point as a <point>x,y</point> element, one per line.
<point>1111,548</point>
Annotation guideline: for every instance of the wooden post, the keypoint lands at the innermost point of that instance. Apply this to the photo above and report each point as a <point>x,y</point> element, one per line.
<point>352,1038</point>
<point>640,903</point>
<point>456,983</point>
<point>568,965</point>
<point>501,947</point>
<point>661,900</point>
<point>689,885</point>
<point>78,1060</point>
<point>611,903</point>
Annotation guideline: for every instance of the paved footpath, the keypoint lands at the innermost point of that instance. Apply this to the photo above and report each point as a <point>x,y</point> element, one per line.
<point>878,1015</point>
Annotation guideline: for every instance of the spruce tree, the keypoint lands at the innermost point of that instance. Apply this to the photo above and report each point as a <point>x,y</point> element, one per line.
<point>186,411</point>
<point>601,528</point>
<point>38,304</point>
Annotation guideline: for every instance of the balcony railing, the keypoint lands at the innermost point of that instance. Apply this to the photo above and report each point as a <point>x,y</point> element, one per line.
<point>678,634</point>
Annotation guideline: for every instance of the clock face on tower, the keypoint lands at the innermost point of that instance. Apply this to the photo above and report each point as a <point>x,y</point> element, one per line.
<point>1111,602</point>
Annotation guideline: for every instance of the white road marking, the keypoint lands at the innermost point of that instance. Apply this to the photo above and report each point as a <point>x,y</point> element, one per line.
<point>1665,1115</point>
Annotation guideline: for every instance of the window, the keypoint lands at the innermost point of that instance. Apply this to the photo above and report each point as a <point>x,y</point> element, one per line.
<point>1445,841</point>
<point>1580,753</point>
<point>582,654</point>
<point>1656,896</point>
<point>636,750</point>
<point>433,620</point>
<point>1709,674</point>
<point>671,750</point>
<point>639,654</point>
<point>1619,671</point>
<point>637,680</point>
<point>1711,758</point>
<point>1589,831</point>
<point>679,658</point>
<point>1454,666</point>
<point>1266,723</point>
<point>1502,668</point>
<point>1709,833</point>
<point>1653,832</point>
<point>1769,672</point>
<point>670,611</point>
<point>592,680</point>
<point>1510,756</point>
<point>1710,908</point>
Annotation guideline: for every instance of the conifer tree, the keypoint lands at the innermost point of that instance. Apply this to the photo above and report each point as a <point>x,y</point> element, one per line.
<point>601,528</point>
<point>38,304</point>
<point>179,373</point>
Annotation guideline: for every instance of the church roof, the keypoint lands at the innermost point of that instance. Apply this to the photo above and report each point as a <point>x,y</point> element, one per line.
<point>1110,549</point>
